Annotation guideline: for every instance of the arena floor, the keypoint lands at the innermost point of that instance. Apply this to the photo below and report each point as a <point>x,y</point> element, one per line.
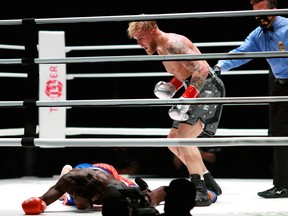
<point>239,198</point>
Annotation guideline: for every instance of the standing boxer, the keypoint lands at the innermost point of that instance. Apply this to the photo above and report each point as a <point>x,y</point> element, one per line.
<point>199,80</point>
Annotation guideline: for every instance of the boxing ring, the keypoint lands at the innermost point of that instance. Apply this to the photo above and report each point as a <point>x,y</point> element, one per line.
<point>239,195</point>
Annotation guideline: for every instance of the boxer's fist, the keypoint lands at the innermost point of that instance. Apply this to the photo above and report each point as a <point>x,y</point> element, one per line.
<point>166,90</point>
<point>179,112</point>
<point>33,206</point>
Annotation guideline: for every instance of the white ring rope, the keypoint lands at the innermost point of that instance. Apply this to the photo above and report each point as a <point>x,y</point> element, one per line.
<point>16,75</point>
<point>73,131</point>
<point>243,55</point>
<point>155,74</point>
<point>136,74</point>
<point>122,47</point>
<point>162,102</point>
<point>150,17</point>
<point>12,47</point>
<point>148,102</point>
<point>150,142</point>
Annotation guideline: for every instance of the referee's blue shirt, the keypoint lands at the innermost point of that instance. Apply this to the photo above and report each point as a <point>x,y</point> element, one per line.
<point>257,41</point>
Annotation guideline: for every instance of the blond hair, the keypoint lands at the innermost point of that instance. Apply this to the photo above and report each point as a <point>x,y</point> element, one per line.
<point>135,27</point>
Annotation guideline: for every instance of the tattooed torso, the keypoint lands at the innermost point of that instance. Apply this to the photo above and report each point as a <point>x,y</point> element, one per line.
<point>182,69</point>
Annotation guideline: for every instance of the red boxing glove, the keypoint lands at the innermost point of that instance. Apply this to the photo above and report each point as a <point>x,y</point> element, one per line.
<point>33,206</point>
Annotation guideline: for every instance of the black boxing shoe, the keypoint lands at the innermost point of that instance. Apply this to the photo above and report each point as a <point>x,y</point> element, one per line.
<point>202,197</point>
<point>211,184</point>
<point>274,192</point>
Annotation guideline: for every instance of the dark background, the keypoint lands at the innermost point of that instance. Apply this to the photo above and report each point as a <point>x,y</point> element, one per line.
<point>232,162</point>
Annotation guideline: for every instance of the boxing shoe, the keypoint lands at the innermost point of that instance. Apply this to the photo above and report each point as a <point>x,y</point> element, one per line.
<point>211,184</point>
<point>202,198</point>
<point>274,192</point>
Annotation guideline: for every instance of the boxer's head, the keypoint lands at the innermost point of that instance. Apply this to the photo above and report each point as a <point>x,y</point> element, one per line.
<point>145,33</point>
<point>87,190</point>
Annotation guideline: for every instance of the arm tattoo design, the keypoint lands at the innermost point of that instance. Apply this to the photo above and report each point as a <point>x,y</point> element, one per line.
<point>195,67</point>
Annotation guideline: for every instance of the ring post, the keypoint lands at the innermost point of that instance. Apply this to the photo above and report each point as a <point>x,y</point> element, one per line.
<point>52,85</point>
